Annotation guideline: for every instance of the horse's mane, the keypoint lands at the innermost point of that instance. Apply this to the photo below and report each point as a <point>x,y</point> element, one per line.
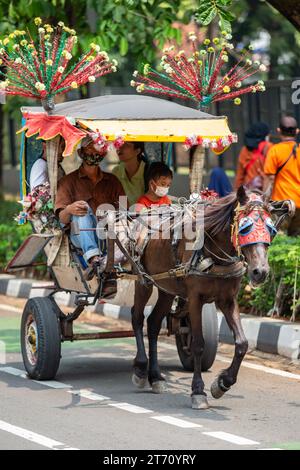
<point>217,217</point>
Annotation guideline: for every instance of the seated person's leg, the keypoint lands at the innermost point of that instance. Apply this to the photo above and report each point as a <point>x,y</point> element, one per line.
<point>86,240</point>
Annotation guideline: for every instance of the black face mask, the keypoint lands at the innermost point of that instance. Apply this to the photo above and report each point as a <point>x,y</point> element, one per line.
<point>92,160</point>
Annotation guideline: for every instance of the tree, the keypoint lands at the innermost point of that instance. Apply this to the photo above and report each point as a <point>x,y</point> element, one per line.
<point>282,49</point>
<point>122,27</point>
<point>290,9</point>
<point>210,9</point>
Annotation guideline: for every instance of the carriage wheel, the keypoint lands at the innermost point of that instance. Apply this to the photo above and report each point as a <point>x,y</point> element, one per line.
<point>41,338</point>
<point>210,333</point>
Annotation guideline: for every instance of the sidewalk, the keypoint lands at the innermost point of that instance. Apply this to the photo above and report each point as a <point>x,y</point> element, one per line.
<point>265,334</point>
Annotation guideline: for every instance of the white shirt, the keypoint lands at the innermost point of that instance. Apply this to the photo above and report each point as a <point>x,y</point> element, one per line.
<point>39,173</point>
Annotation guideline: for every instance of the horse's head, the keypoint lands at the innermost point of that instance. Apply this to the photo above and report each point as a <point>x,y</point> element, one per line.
<point>252,232</point>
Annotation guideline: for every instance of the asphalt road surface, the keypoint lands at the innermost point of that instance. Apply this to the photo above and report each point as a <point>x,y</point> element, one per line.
<point>92,404</point>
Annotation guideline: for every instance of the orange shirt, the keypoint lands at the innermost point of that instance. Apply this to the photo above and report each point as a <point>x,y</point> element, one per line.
<point>287,182</point>
<point>145,201</point>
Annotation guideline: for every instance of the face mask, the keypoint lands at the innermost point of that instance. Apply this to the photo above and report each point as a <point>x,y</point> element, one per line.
<point>161,191</point>
<point>92,160</point>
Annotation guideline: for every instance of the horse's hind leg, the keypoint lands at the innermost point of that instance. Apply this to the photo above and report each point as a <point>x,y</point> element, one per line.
<point>199,400</point>
<point>161,309</point>
<point>140,363</point>
<point>228,377</point>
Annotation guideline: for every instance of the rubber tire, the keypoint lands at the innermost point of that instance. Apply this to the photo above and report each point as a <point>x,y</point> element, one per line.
<point>46,315</point>
<point>211,338</point>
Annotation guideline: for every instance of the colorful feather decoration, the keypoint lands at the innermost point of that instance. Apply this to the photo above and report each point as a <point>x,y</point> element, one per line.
<point>43,68</point>
<point>199,77</point>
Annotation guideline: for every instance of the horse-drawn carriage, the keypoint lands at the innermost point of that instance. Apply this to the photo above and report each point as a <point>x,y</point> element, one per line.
<point>44,325</point>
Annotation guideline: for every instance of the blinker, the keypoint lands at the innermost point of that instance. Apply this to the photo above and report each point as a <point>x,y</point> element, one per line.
<point>256,227</point>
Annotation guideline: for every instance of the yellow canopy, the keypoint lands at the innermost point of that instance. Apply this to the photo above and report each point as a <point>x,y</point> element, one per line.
<point>165,130</point>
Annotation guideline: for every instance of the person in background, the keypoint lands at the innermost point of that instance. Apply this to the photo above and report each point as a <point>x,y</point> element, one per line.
<point>132,169</point>
<point>159,179</point>
<point>39,170</point>
<point>282,169</point>
<point>219,182</point>
<point>250,170</point>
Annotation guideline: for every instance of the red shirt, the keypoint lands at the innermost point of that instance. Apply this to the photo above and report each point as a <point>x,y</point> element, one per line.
<point>145,201</point>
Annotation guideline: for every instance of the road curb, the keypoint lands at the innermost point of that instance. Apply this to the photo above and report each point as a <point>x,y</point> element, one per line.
<point>267,335</point>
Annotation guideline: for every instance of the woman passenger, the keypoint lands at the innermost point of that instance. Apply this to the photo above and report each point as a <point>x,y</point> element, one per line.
<point>132,169</point>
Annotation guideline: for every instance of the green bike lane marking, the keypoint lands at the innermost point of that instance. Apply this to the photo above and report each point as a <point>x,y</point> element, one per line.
<point>10,333</point>
<point>288,445</point>
<point>10,336</point>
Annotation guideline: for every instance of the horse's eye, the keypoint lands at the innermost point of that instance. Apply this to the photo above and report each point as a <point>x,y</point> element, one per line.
<point>270,226</point>
<point>245,225</point>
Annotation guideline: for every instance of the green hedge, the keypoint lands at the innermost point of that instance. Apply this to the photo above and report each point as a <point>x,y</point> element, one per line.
<point>11,237</point>
<point>8,210</point>
<point>11,234</point>
<point>284,261</point>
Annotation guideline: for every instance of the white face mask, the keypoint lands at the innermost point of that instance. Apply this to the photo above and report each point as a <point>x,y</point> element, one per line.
<point>161,191</point>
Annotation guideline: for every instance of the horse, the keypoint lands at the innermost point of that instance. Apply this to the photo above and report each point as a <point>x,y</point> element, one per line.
<point>238,226</point>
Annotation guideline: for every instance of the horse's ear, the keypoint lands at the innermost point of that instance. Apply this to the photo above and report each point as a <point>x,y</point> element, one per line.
<point>267,195</point>
<point>241,195</point>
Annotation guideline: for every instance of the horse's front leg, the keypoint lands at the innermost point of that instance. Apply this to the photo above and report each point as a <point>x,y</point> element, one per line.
<point>199,399</point>
<point>228,377</point>
<point>140,363</point>
<point>161,309</point>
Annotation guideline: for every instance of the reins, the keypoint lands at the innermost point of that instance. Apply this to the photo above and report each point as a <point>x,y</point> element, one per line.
<point>182,270</point>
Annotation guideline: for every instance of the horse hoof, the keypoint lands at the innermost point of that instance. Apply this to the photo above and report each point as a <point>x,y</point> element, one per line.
<point>199,402</point>
<point>159,387</point>
<point>216,390</point>
<point>139,382</point>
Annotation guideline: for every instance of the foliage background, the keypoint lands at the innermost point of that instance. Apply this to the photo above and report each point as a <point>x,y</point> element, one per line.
<point>283,256</point>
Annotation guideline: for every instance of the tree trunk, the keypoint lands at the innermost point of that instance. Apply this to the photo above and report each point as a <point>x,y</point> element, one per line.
<point>196,170</point>
<point>288,8</point>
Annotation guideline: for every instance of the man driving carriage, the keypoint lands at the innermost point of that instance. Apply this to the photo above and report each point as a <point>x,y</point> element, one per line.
<point>80,193</point>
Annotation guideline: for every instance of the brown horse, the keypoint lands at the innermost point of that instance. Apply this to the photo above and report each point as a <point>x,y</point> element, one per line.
<point>226,222</point>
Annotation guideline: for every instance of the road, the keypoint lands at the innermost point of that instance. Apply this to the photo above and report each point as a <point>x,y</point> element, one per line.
<point>92,404</point>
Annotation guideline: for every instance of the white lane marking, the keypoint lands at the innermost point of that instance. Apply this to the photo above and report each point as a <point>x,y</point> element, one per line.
<point>267,370</point>
<point>13,371</point>
<point>22,373</point>
<point>51,383</point>
<point>225,436</point>
<point>181,423</point>
<point>34,437</point>
<point>88,394</point>
<point>130,408</point>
